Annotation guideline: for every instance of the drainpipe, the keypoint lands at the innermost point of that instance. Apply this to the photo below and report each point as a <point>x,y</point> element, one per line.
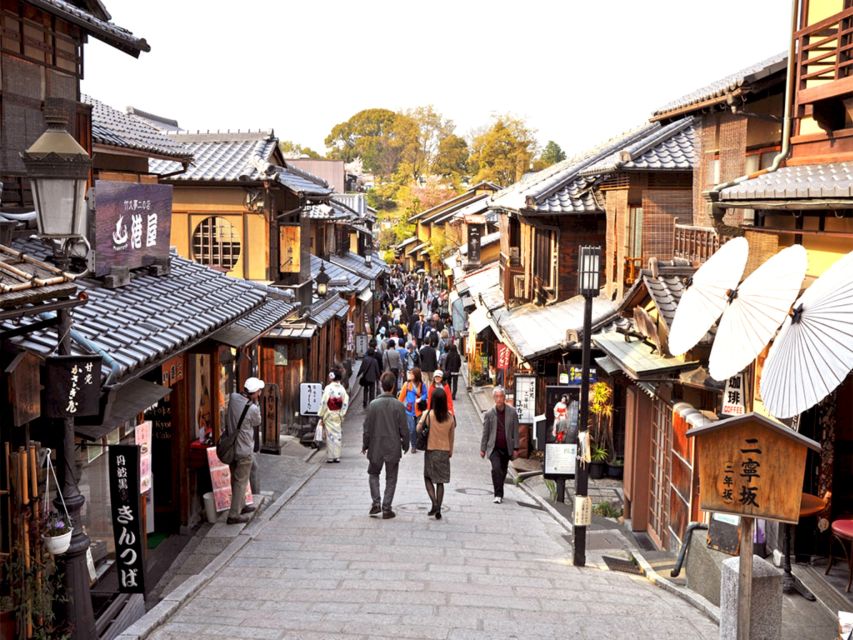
<point>714,193</point>
<point>184,166</point>
<point>82,340</point>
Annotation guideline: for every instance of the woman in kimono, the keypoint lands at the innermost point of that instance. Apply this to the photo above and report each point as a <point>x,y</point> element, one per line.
<point>333,408</point>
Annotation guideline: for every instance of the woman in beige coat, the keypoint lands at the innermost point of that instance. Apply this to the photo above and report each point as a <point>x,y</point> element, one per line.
<point>441,425</point>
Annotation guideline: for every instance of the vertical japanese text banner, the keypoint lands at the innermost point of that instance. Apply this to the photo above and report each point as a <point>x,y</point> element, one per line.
<point>127,524</point>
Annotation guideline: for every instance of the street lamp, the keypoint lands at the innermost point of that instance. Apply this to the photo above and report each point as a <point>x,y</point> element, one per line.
<point>322,281</point>
<point>368,259</point>
<point>58,169</point>
<point>589,275</point>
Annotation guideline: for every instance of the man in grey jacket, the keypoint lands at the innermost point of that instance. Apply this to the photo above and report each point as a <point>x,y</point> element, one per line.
<point>500,440</point>
<point>244,447</point>
<point>385,439</point>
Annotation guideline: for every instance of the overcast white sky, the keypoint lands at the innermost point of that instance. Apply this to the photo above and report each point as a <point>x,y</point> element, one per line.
<point>578,72</point>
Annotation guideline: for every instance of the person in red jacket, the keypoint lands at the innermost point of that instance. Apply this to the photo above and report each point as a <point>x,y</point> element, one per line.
<point>438,382</point>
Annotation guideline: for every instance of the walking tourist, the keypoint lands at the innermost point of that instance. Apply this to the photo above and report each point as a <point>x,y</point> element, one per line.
<point>333,408</point>
<point>368,376</point>
<point>452,366</point>
<point>500,440</point>
<point>414,396</point>
<point>385,439</point>
<point>441,427</point>
<point>429,359</point>
<point>392,361</point>
<point>439,383</point>
<point>243,415</point>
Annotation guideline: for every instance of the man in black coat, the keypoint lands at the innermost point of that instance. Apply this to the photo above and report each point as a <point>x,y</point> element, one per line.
<point>429,360</point>
<point>368,376</point>
<point>384,440</point>
<point>410,303</point>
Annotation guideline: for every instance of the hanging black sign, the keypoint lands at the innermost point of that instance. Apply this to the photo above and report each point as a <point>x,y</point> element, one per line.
<point>475,234</point>
<point>72,386</point>
<point>127,523</point>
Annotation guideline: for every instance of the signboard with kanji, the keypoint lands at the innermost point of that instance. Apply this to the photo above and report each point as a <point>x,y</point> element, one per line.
<point>475,235</point>
<point>132,224</point>
<point>525,398</point>
<point>72,386</point>
<point>310,394</point>
<point>752,466</point>
<point>289,248</point>
<point>560,460</point>
<point>127,529</point>
<point>220,480</point>
<point>733,398</point>
<point>503,356</point>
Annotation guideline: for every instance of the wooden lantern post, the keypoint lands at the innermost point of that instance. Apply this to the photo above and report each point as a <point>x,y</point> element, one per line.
<point>751,466</point>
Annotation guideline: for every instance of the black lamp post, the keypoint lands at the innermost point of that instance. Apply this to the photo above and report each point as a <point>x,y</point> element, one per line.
<point>58,168</point>
<point>589,270</point>
<point>322,281</point>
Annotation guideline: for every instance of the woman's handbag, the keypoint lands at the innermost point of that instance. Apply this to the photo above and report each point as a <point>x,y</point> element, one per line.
<point>422,403</point>
<point>423,435</point>
<point>319,432</point>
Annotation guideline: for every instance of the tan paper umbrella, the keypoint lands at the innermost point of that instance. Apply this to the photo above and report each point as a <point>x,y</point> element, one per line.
<point>813,352</point>
<point>706,296</point>
<point>755,310</point>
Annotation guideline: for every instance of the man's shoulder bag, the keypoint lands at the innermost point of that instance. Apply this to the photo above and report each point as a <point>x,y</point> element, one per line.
<point>227,446</point>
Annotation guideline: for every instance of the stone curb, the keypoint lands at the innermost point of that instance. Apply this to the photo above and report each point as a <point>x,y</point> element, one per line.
<point>694,599</point>
<point>173,601</point>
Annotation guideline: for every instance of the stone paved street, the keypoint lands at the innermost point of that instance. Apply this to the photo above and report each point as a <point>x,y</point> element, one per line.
<point>323,569</point>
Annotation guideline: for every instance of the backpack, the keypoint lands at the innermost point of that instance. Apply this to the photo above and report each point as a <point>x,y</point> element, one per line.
<point>226,447</point>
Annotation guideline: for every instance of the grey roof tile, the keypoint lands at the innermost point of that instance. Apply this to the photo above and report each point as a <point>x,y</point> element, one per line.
<point>103,30</point>
<point>341,279</point>
<point>324,310</point>
<point>355,263</point>
<point>117,129</point>
<point>833,180</point>
<point>136,321</point>
<point>721,87</point>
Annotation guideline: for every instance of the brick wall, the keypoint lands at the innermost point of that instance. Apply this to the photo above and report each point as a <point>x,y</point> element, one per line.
<point>587,229</point>
<point>661,209</point>
<point>723,136</point>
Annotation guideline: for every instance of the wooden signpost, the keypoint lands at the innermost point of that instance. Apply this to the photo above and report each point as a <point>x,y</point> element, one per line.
<point>752,467</point>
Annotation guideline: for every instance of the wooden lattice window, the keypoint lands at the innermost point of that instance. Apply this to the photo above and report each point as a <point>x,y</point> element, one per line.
<point>216,244</point>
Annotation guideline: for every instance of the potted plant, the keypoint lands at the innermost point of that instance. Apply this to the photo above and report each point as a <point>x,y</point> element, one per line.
<point>57,533</point>
<point>598,462</point>
<point>616,468</point>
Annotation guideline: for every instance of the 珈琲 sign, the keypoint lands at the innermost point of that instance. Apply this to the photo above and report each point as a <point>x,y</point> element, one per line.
<point>751,466</point>
<point>132,224</point>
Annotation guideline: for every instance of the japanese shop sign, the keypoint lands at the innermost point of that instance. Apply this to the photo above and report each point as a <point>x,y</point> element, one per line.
<point>310,394</point>
<point>733,400</point>
<point>525,398</point>
<point>475,234</point>
<point>503,356</point>
<point>127,524</point>
<point>132,224</point>
<point>751,466</point>
<point>560,460</point>
<point>72,386</point>
<point>143,439</point>
<point>220,479</point>
<point>289,248</point>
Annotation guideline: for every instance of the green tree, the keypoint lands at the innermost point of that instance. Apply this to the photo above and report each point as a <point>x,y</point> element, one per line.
<point>380,137</point>
<point>451,160</point>
<point>551,154</point>
<point>290,148</point>
<point>503,152</point>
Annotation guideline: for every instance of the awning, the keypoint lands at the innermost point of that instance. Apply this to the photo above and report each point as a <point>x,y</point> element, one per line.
<point>366,295</point>
<point>636,358</point>
<point>123,404</point>
<point>478,320</point>
<point>235,336</point>
<point>608,365</point>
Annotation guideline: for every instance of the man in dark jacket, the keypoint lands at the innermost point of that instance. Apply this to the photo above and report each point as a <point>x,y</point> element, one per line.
<point>500,440</point>
<point>410,304</point>
<point>368,376</point>
<point>385,439</point>
<point>429,361</point>
<point>452,365</point>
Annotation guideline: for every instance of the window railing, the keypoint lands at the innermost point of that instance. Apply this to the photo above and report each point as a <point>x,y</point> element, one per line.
<point>695,244</point>
<point>825,58</point>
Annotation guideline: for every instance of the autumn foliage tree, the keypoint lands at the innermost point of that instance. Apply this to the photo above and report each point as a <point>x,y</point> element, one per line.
<point>503,152</point>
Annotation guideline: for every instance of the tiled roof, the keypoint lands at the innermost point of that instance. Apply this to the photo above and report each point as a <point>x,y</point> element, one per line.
<point>636,358</point>
<point>341,279</point>
<point>730,83</point>
<point>356,264</point>
<point>332,211</point>
<point>559,188</point>
<point>258,321</point>
<point>833,180</point>
<point>535,330</point>
<point>665,291</point>
<point>302,182</point>
<point>443,216</point>
<point>455,200</point>
<point>324,310</point>
<point>221,157</point>
<point>669,148</point>
<point>406,242</point>
<point>103,30</point>
<point>473,208</point>
<point>152,317</point>
<point>293,331</point>
<point>115,128</point>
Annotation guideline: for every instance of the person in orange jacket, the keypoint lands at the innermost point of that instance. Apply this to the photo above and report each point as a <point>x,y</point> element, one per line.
<point>438,382</point>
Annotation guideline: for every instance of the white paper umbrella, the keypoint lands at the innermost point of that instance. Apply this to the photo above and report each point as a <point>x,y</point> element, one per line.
<point>813,352</point>
<point>706,297</point>
<point>757,308</point>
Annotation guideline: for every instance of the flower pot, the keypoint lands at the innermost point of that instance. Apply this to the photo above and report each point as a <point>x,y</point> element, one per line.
<point>596,470</point>
<point>615,471</point>
<point>57,545</point>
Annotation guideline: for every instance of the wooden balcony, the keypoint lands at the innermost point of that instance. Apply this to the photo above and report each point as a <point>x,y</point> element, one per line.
<point>696,244</point>
<point>824,59</point>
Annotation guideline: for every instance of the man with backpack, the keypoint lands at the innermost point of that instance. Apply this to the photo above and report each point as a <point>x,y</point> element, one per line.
<point>237,445</point>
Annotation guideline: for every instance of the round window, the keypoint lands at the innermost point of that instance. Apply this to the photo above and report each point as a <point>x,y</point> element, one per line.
<point>216,244</point>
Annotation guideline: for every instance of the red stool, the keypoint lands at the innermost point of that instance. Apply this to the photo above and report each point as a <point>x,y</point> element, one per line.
<point>842,530</point>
